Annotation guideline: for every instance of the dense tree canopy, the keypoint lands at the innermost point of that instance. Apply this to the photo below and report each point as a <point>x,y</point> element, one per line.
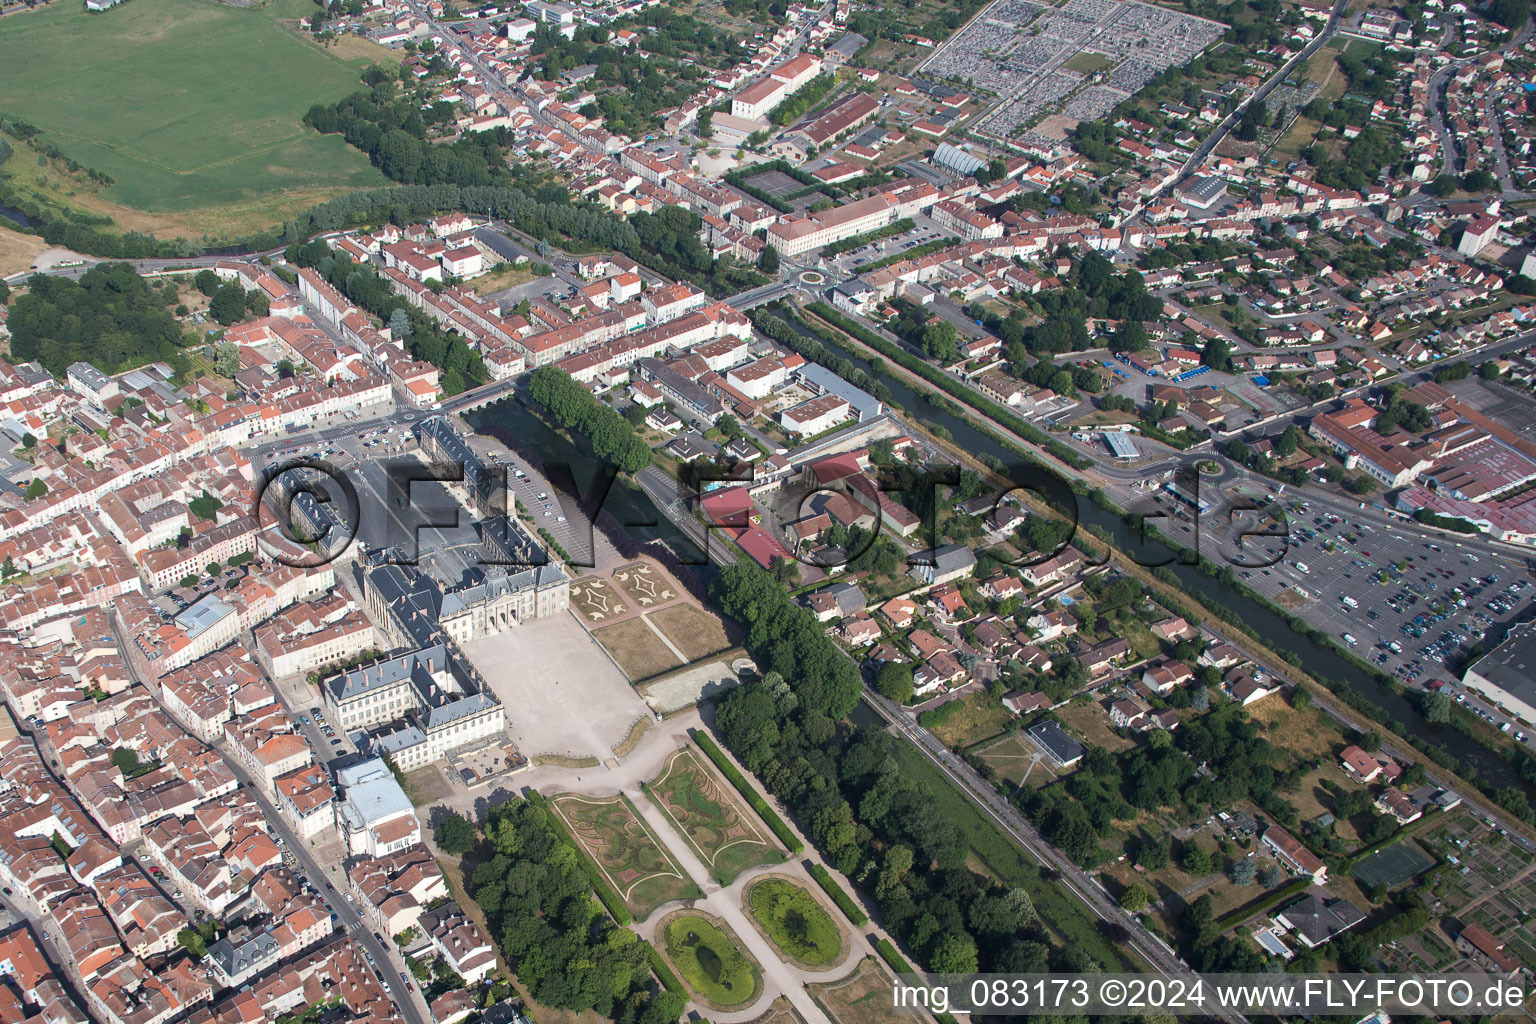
<point>572,407</point>
<point>110,318</point>
<point>565,951</point>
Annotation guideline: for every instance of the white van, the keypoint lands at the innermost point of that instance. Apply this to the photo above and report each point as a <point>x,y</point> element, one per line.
<point>1349,602</point>
<point>1350,640</point>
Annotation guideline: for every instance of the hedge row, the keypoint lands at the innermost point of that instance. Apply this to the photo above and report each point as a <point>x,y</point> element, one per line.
<point>846,903</point>
<point>754,800</point>
<point>892,956</point>
<point>939,379</point>
<point>1263,903</point>
<point>669,981</point>
<point>605,892</point>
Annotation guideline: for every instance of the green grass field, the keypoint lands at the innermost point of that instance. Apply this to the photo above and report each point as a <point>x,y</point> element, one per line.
<point>795,922</point>
<point>711,962</point>
<point>187,104</point>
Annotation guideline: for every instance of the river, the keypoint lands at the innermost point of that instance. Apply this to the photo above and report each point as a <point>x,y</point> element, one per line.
<point>15,216</point>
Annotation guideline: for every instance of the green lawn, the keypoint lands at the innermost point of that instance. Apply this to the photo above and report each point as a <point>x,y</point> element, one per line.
<point>709,960</point>
<point>795,922</point>
<point>185,103</point>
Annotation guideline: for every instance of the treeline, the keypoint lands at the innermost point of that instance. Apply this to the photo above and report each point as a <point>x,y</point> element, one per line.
<point>783,332</point>
<point>392,129</point>
<point>539,905</point>
<point>901,227</point>
<point>666,241</point>
<point>88,233</point>
<point>110,318</point>
<point>803,99</point>
<point>573,408</point>
<point>842,781</point>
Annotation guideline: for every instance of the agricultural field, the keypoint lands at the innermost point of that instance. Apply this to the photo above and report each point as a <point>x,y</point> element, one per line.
<point>795,922</point>
<point>625,850</point>
<point>727,836</point>
<point>636,647</point>
<point>198,137</point>
<point>709,957</point>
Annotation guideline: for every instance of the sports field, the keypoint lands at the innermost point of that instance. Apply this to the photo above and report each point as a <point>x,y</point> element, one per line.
<point>1392,865</point>
<point>191,106</point>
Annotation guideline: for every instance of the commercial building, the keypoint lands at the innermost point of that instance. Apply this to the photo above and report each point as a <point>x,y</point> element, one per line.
<point>1506,676</point>
<point>375,816</point>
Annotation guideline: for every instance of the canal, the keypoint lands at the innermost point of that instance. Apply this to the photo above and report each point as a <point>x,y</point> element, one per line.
<point>1319,660</point>
<point>569,468</point>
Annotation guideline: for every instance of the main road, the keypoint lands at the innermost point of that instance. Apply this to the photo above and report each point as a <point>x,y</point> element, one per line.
<point>356,928</point>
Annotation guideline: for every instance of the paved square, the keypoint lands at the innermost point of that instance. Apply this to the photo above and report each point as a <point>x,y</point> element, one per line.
<point>562,693</point>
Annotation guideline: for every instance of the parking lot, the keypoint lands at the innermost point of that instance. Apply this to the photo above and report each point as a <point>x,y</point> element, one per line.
<point>925,232</point>
<point>1407,603</point>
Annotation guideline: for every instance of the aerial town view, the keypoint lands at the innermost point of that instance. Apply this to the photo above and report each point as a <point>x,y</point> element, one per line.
<point>766,511</point>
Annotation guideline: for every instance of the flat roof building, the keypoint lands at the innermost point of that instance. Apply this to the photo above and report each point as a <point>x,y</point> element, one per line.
<point>1053,739</point>
<point>1506,675</point>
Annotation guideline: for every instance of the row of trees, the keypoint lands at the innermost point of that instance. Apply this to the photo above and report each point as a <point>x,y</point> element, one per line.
<point>843,782</point>
<point>572,407</point>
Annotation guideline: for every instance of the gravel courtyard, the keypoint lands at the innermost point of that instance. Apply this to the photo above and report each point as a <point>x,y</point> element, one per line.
<point>562,694</point>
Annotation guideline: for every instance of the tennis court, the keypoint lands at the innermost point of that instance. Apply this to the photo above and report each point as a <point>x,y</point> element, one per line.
<point>1391,866</point>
